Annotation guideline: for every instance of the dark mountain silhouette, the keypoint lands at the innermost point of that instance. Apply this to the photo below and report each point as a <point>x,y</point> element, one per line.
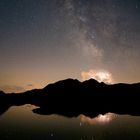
<point>71,97</point>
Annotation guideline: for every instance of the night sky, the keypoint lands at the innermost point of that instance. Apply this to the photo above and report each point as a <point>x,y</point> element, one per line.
<point>43,41</point>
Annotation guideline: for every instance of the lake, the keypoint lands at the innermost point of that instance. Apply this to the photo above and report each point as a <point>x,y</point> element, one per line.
<point>20,123</point>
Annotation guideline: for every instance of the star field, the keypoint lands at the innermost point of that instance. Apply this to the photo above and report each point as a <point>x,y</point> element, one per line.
<point>42,41</point>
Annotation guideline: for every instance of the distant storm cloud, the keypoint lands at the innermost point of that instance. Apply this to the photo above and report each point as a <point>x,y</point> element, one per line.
<point>99,75</point>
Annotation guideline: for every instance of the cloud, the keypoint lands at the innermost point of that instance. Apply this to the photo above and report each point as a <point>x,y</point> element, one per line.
<point>100,75</point>
<point>16,89</point>
<point>12,88</point>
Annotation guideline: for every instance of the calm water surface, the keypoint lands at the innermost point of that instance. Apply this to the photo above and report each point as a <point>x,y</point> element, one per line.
<point>20,123</point>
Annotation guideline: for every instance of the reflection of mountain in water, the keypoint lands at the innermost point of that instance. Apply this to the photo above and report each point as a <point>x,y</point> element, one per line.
<point>71,98</point>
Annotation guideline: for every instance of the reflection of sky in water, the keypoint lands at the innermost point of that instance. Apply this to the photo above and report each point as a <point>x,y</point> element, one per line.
<point>19,123</point>
<point>100,119</point>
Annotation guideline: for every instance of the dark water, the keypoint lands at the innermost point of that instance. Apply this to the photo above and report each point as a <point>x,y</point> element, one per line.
<point>20,123</point>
